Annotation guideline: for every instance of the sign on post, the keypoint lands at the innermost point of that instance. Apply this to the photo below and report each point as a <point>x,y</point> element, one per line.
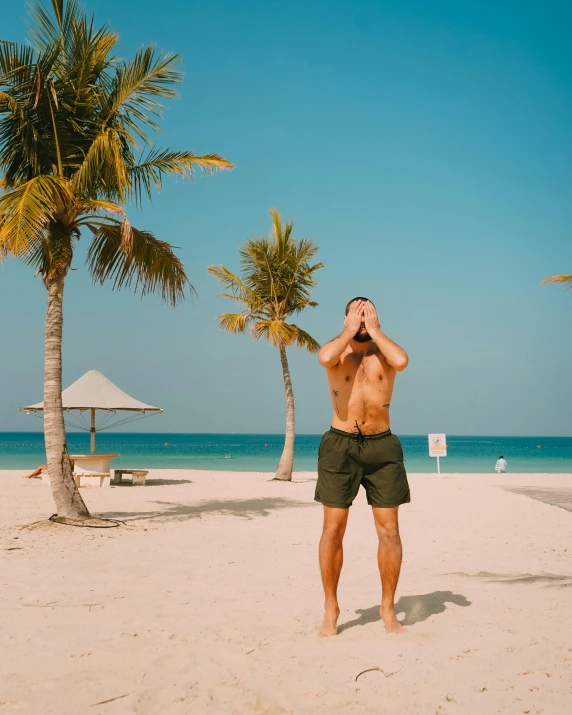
<point>438,448</point>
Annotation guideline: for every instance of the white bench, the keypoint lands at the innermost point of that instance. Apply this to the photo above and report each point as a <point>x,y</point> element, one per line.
<point>92,478</point>
<point>137,476</point>
<point>92,469</point>
<point>84,479</point>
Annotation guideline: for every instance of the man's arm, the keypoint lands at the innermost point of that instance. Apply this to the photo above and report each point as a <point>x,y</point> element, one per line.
<point>331,352</point>
<point>395,355</point>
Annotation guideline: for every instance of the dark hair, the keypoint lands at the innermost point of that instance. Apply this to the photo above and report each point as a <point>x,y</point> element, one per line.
<point>501,457</point>
<point>353,300</point>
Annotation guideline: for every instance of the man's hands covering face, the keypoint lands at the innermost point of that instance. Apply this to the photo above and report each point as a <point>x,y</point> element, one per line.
<point>370,317</point>
<point>353,319</point>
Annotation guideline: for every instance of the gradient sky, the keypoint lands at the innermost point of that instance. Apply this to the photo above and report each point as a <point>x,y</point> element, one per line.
<point>426,147</point>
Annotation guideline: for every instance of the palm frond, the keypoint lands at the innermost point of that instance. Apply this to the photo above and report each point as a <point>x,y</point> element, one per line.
<point>8,103</point>
<point>297,296</point>
<point>279,333</point>
<point>104,166</point>
<point>51,254</point>
<point>17,64</point>
<point>48,29</point>
<point>233,322</point>
<point>86,205</point>
<point>263,269</point>
<point>276,223</point>
<point>567,280</point>
<point>237,299</point>
<point>19,83</point>
<point>208,163</point>
<point>26,210</point>
<point>30,139</point>
<point>305,340</point>
<point>140,85</point>
<point>160,162</point>
<point>83,73</point>
<point>238,288</point>
<point>149,266</point>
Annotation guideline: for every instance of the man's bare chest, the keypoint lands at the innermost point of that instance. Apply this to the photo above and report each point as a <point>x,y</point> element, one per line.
<point>367,370</point>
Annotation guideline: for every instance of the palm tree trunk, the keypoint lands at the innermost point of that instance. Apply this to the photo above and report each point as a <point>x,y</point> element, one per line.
<point>284,471</point>
<point>64,490</point>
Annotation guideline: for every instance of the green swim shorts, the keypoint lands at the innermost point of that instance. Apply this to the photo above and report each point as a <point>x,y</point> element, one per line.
<point>347,459</point>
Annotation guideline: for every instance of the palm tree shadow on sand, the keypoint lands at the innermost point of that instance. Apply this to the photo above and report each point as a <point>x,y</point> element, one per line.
<point>416,608</point>
<point>175,511</point>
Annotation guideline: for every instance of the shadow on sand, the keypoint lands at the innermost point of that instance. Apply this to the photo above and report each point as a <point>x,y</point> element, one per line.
<point>416,608</point>
<point>152,482</point>
<point>172,511</point>
<point>548,579</point>
<point>555,496</point>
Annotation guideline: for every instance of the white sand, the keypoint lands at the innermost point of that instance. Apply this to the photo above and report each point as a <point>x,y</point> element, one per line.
<point>208,601</point>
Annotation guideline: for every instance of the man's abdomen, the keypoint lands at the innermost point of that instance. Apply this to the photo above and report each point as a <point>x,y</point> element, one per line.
<point>371,416</point>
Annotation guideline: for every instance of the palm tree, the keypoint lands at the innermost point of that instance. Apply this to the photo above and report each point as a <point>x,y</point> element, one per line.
<point>276,282</point>
<point>567,280</point>
<point>72,119</point>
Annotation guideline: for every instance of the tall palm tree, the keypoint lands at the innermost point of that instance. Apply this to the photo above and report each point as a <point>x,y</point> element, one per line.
<point>275,284</point>
<point>75,149</point>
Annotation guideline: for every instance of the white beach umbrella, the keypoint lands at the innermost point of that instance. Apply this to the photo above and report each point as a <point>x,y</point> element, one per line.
<point>94,392</point>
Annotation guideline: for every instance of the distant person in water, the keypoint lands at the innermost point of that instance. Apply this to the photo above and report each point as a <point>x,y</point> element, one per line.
<point>500,466</point>
<point>361,365</point>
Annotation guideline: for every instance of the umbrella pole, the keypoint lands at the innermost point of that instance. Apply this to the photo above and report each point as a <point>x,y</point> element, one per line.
<point>92,432</point>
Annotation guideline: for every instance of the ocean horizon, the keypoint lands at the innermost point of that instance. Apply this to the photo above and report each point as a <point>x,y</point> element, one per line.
<point>255,452</point>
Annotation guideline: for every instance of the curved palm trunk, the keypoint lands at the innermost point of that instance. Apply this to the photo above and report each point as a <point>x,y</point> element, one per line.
<point>286,463</point>
<point>64,490</point>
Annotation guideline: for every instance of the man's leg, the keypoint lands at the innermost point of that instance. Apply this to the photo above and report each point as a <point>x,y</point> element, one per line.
<point>389,555</point>
<point>331,559</point>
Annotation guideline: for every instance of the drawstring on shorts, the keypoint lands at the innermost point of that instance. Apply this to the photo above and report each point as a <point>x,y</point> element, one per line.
<point>361,436</point>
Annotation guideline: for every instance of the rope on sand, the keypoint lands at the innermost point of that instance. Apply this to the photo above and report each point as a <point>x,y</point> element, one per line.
<point>379,669</point>
<point>103,702</point>
<point>84,523</point>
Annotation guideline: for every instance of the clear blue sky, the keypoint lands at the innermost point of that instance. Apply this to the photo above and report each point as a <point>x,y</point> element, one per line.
<point>426,147</point>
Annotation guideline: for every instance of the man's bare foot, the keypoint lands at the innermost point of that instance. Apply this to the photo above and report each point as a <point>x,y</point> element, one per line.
<point>392,625</point>
<point>330,624</point>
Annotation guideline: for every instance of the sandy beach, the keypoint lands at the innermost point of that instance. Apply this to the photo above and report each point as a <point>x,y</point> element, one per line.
<point>209,598</point>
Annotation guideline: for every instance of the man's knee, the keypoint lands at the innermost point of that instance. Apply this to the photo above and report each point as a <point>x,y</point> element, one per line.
<point>333,531</point>
<point>335,522</point>
<point>387,529</point>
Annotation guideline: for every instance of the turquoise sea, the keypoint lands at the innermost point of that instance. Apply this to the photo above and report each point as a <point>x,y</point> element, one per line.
<point>258,452</point>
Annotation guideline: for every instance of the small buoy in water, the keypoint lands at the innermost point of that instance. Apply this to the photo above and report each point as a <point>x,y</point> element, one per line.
<point>227,456</point>
<point>537,446</point>
<point>266,445</point>
<point>166,444</point>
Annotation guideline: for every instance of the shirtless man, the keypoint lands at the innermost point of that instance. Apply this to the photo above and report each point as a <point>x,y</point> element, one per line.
<point>361,364</point>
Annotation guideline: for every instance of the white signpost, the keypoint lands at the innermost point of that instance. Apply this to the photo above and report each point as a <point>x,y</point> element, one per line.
<point>438,448</point>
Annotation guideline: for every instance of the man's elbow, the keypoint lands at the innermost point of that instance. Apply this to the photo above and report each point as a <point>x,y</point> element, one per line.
<point>325,359</point>
<point>401,363</point>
